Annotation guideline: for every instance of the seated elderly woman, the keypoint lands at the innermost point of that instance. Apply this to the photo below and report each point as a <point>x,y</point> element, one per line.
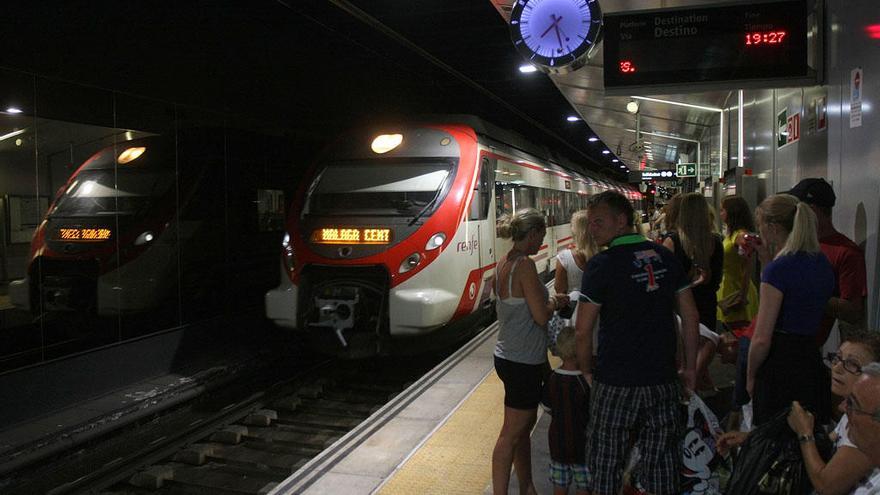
<point>849,471</point>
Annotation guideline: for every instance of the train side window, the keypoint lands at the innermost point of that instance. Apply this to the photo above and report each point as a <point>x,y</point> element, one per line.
<point>483,192</point>
<point>525,197</point>
<point>503,199</point>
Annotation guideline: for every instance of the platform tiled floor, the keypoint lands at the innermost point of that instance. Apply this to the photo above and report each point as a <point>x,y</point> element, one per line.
<point>457,458</point>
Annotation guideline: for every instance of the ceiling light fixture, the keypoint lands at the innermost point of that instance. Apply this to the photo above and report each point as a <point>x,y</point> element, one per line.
<point>606,152</point>
<point>572,118</point>
<point>13,110</point>
<point>632,106</point>
<point>677,103</point>
<point>615,160</point>
<point>528,68</point>
<point>12,134</point>
<point>592,139</point>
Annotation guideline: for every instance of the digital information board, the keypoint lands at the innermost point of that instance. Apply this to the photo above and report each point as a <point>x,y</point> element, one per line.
<point>719,46</point>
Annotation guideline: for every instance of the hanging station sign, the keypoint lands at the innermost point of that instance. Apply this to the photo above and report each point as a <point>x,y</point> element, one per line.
<point>759,44</point>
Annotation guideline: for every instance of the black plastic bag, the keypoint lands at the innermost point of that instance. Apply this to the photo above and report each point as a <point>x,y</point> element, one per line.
<point>770,461</point>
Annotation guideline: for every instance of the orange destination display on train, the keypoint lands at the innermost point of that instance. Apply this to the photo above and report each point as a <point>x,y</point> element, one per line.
<point>83,234</point>
<point>336,235</point>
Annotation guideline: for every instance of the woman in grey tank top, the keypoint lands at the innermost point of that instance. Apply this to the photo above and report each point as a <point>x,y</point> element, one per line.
<point>521,351</point>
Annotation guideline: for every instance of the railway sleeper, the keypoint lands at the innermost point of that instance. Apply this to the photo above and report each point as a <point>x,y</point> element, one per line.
<point>230,435</point>
<point>282,447</point>
<point>281,425</point>
<point>345,395</point>
<point>219,479</point>
<point>359,408</point>
<point>336,410</point>
<point>274,435</point>
<point>322,421</point>
<point>288,403</point>
<point>311,391</point>
<point>263,417</point>
<point>391,387</point>
<point>252,459</point>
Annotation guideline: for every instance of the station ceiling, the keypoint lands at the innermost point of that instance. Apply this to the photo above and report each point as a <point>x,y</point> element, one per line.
<point>608,116</point>
<point>323,65</point>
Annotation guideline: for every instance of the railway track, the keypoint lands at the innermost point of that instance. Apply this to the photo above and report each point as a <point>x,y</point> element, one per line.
<point>243,443</point>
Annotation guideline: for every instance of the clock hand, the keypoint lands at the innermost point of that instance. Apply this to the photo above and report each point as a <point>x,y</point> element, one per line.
<point>559,38</point>
<point>551,26</point>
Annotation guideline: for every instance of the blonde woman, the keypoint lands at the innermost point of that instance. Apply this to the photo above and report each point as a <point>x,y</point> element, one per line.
<point>570,263</point>
<point>701,254</point>
<point>524,307</point>
<point>784,359</point>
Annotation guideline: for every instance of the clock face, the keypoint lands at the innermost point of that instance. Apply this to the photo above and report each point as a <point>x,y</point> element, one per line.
<point>555,35</point>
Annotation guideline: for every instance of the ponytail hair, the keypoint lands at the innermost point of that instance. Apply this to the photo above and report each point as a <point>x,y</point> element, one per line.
<point>794,216</point>
<point>518,225</point>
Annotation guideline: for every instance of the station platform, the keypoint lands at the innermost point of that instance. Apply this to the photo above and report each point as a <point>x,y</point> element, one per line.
<point>436,437</point>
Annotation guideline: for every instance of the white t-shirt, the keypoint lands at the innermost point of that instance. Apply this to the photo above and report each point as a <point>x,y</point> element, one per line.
<point>575,277</point>
<point>572,271</point>
<point>871,484</point>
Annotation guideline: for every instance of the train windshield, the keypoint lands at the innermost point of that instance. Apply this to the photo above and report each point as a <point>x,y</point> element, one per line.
<point>379,188</point>
<point>108,192</point>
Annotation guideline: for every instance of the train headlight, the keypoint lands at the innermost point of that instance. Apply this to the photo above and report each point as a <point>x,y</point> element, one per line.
<point>410,262</point>
<point>145,238</point>
<point>287,253</point>
<point>435,241</point>
<point>384,143</point>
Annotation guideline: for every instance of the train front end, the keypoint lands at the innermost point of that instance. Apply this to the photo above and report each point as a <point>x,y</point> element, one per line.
<point>365,264</point>
<point>104,245</point>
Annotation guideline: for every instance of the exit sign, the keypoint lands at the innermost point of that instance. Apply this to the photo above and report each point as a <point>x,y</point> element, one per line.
<point>686,170</point>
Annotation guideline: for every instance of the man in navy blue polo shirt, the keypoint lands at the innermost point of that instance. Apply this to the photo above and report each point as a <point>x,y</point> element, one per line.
<point>636,286</point>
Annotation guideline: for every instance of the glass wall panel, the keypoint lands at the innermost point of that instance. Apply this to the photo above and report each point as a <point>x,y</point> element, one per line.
<point>146,168</point>
<point>21,335</point>
<point>72,276</point>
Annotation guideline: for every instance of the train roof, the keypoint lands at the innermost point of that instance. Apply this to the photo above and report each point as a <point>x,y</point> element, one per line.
<point>512,139</point>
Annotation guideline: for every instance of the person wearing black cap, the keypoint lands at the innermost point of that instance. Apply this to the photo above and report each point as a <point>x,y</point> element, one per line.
<point>846,257</point>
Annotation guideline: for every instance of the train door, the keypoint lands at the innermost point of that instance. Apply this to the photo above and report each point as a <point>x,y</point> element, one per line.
<point>483,215</point>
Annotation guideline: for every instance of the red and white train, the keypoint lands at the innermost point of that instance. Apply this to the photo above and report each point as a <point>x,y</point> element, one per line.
<point>391,239</point>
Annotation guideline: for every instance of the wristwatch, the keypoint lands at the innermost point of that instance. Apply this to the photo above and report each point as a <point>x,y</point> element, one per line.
<point>806,438</point>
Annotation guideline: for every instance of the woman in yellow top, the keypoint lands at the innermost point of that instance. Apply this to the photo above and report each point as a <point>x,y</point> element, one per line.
<point>737,296</point>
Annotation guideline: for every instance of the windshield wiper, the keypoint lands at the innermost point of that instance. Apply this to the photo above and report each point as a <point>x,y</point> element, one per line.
<point>426,207</point>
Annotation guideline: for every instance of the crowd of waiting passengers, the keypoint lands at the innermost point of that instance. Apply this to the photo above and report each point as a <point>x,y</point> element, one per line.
<point>636,318</point>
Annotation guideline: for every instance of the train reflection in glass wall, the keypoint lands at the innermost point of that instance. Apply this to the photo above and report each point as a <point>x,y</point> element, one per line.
<point>109,241</point>
<point>391,240</point>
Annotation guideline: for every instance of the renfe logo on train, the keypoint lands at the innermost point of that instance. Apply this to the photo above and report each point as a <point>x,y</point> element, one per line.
<point>467,246</point>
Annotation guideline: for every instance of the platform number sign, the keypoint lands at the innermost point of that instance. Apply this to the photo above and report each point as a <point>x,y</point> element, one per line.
<point>788,128</point>
<point>686,170</point>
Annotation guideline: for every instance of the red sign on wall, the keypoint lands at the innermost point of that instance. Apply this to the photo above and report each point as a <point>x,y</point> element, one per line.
<point>794,128</point>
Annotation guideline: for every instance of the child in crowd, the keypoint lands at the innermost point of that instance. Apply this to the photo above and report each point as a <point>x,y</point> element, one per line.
<point>567,397</point>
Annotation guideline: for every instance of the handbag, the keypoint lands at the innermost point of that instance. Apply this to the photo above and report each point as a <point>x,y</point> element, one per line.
<point>554,326</point>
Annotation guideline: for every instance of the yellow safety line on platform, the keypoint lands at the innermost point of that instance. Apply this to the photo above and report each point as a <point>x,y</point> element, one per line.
<point>457,459</point>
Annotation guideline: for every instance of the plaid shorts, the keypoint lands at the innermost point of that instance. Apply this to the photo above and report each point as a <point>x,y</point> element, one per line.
<point>649,417</point>
<point>562,474</point>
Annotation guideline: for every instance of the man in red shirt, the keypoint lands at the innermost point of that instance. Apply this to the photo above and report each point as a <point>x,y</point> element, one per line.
<point>846,257</point>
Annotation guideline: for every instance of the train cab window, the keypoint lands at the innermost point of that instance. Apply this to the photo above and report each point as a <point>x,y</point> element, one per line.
<point>380,188</point>
<point>483,192</point>
<point>105,187</point>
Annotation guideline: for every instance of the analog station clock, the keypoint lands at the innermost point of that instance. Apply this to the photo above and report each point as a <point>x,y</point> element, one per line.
<point>556,35</point>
